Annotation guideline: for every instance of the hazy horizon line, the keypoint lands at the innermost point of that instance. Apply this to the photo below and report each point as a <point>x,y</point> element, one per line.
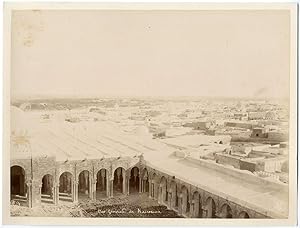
<point>95,96</point>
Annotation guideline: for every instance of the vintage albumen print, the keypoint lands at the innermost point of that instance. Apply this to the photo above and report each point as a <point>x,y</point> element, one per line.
<point>158,113</point>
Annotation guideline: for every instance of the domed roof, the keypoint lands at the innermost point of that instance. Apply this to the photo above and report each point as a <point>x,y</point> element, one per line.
<point>270,115</point>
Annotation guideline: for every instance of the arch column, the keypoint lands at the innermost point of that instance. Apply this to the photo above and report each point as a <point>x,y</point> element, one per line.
<point>107,186</point>
<point>235,212</point>
<point>55,193</point>
<point>111,187</point>
<point>170,199</point>
<point>156,191</point>
<point>192,208</point>
<point>195,208</point>
<point>140,184</point>
<point>29,193</point>
<point>192,204</point>
<point>180,204</point>
<point>183,206</point>
<point>127,186</point>
<point>204,211</point>
<point>72,189</point>
<point>160,194</point>
<point>36,187</point>
<point>149,185</point>
<point>150,188</point>
<point>94,188</point>
<point>90,186</point>
<point>76,191</point>
<point>126,182</point>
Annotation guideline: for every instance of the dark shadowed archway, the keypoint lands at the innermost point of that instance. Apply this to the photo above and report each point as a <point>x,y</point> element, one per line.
<point>197,211</point>
<point>145,181</point>
<point>101,186</point>
<point>119,181</point>
<point>244,214</point>
<point>47,189</point>
<point>210,208</point>
<point>154,186</point>
<point>66,186</point>
<point>226,211</point>
<point>84,185</point>
<point>163,194</point>
<point>185,200</point>
<point>18,188</point>
<point>17,181</point>
<point>134,181</point>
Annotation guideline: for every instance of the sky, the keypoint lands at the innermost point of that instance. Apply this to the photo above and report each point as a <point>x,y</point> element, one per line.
<point>85,53</point>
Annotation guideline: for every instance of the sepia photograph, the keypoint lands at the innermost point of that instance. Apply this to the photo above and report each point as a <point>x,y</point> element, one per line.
<point>123,114</point>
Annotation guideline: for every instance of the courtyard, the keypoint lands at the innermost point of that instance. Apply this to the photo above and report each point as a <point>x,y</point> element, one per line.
<point>126,206</point>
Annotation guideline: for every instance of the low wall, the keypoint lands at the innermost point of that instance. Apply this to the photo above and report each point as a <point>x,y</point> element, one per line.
<point>227,159</point>
<point>239,174</point>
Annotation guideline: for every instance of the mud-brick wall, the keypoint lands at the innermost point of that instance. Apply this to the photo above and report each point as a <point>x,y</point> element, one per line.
<point>277,136</point>
<point>245,165</point>
<point>228,160</point>
<point>42,166</point>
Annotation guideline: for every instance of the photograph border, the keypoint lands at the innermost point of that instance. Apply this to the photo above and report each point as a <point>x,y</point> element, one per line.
<point>292,7</point>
